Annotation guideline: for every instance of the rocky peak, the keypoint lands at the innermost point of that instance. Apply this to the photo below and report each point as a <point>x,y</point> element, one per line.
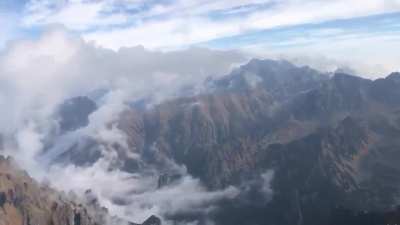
<point>387,90</point>
<point>152,220</point>
<point>279,78</point>
<point>395,76</point>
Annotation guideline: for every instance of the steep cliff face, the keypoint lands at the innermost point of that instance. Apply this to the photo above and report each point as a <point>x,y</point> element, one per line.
<point>25,202</point>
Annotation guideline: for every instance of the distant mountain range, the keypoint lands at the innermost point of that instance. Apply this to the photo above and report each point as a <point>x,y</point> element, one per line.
<point>332,142</point>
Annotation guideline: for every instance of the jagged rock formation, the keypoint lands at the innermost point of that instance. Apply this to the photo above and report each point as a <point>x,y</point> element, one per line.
<point>25,202</point>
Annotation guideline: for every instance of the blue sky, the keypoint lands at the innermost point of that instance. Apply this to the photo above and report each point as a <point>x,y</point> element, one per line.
<point>347,29</point>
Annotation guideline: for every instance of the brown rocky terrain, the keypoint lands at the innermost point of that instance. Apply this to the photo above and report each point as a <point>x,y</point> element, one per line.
<point>23,201</point>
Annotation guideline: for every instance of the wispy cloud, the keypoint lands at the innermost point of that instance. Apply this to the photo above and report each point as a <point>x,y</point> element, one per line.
<point>368,44</point>
<point>75,15</point>
<point>166,24</point>
<point>191,28</point>
<point>275,26</point>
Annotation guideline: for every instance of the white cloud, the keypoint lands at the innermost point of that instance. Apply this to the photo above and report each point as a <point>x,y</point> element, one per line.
<point>185,22</point>
<point>75,15</point>
<point>64,66</point>
<point>371,56</point>
<point>167,34</point>
<point>138,193</point>
<point>186,29</point>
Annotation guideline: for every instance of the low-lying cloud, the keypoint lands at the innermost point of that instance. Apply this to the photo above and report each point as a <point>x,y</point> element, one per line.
<point>37,76</point>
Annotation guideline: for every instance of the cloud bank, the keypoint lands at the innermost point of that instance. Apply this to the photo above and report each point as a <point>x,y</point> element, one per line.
<point>37,76</point>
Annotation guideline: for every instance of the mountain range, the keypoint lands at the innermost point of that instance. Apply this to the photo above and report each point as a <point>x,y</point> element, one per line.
<point>300,147</point>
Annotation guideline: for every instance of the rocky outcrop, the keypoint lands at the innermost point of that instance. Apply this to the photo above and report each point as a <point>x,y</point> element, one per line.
<point>25,202</point>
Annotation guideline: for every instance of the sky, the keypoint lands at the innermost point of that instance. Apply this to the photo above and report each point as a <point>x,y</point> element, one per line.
<point>354,31</point>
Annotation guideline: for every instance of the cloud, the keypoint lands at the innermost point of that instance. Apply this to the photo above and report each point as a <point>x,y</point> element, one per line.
<point>286,27</point>
<point>188,30</point>
<point>134,197</point>
<point>76,15</point>
<point>38,75</point>
<point>172,24</point>
<point>65,65</point>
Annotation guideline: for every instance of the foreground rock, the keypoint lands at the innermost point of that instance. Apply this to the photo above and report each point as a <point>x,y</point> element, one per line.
<point>24,202</point>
